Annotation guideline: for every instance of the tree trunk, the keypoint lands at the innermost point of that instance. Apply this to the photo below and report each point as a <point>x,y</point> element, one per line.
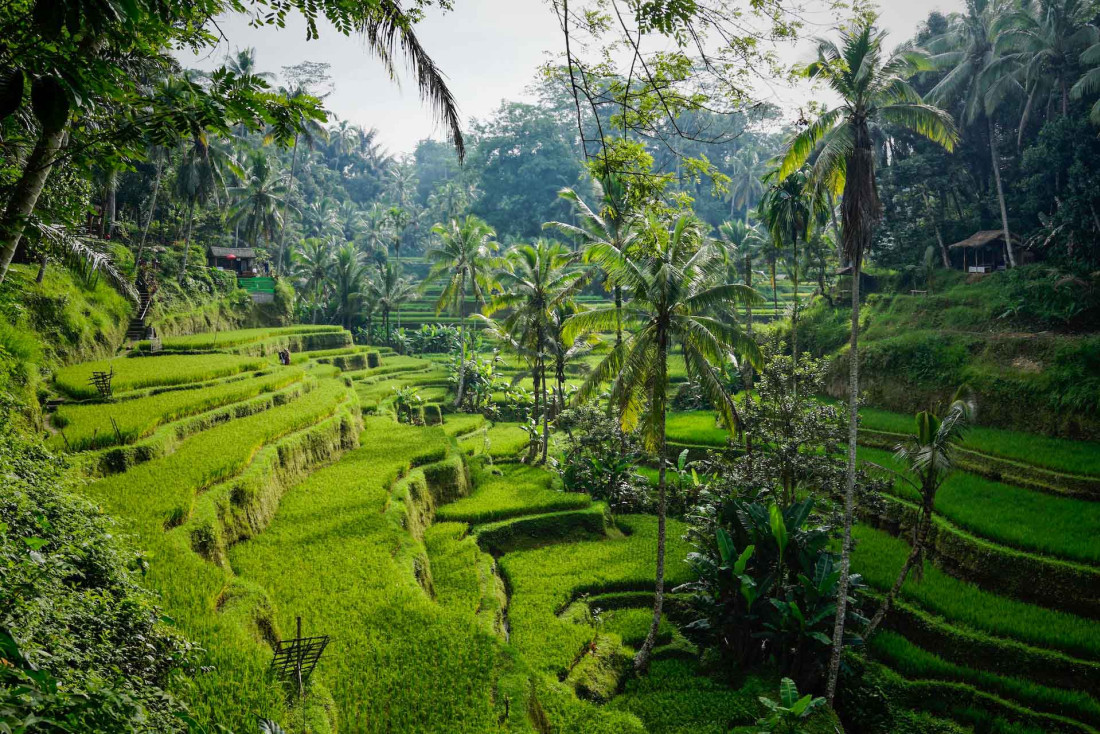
<point>748,319</point>
<point>545,416</point>
<point>26,193</point>
<point>1000,192</point>
<point>918,545</point>
<point>462,345</point>
<point>286,203</point>
<point>850,486</point>
<point>794,323</point>
<point>641,660</point>
<point>836,231</point>
<point>618,315</point>
<point>152,211</point>
<point>187,241</point>
<point>43,258</point>
<point>775,293</point>
<point>112,203</point>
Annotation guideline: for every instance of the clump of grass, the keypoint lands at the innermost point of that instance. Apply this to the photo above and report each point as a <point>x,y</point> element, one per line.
<point>238,337</point>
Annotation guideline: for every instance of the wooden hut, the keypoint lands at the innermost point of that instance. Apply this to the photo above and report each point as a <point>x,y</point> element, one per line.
<point>240,260</point>
<point>981,252</point>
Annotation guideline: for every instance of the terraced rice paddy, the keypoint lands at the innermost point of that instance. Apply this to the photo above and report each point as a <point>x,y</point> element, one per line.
<point>464,592</point>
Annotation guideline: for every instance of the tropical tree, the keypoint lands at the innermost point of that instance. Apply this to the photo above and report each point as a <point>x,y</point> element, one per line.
<point>929,456</point>
<point>746,186</point>
<point>874,90</point>
<point>742,245</point>
<point>398,219</point>
<point>535,281</point>
<point>257,199</point>
<point>390,292</point>
<point>200,177</point>
<point>462,262</point>
<point>313,266</point>
<point>977,82</point>
<point>790,208</point>
<point>673,299</point>
<point>349,283</point>
<point>376,229</point>
<point>311,132</point>
<point>609,226</point>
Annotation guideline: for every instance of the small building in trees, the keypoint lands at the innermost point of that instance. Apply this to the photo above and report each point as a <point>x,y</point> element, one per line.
<point>240,260</point>
<point>981,252</point>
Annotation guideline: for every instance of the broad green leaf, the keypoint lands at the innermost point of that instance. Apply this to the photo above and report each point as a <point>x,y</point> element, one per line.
<point>788,692</point>
<point>725,546</point>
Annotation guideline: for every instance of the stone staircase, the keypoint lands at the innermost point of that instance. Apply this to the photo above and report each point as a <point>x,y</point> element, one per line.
<point>137,329</point>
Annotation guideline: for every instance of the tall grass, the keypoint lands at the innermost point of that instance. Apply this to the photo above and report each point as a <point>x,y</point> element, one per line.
<point>138,372</point>
<point>89,426</point>
<point>520,490</point>
<point>1062,527</point>
<point>398,661</point>
<point>879,556</point>
<point>915,662</point>
<point>238,337</point>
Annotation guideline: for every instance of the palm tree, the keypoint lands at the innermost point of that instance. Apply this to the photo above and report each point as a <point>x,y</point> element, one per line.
<point>742,244</point>
<point>376,228</point>
<point>349,281</point>
<point>321,218</point>
<point>200,178</point>
<point>874,90</point>
<point>350,218</point>
<point>672,299</point>
<point>311,131</point>
<point>257,200</point>
<point>535,280</point>
<point>161,157</point>
<point>978,81</point>
<point>1043,44</point>
<point>610,226</point>
<point>398,219</point>
<point>390,292</point>
<point>745,187</point>
<point>314,263</point>
<point>462,260</point>
<point>928,455</point>
<point>791,208</point>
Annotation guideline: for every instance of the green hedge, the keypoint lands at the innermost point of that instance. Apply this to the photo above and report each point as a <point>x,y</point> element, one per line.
<point>532,531</point>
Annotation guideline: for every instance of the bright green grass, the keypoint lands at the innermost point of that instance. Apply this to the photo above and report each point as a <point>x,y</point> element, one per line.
<point>1062,527</point>
<point>632,625</point>
<point>89,426</point>
<point>133,373</point>
<point>695,427</point>
<point>879,557</point>
<point>522,490</point>
<point>544,580</point>
<point>914,662</point>
<point>398,661</point>
<point>237,337</point>
<point>188,585</point>
<point>1057,454</point>
<point>459,424</point>
<point>504,441</point>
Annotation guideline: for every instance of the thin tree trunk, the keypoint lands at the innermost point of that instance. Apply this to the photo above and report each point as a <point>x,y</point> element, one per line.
<point>794,323</point>
<point>850,488</point>
<point>748,319</point>
<point>26,193</point>
<point>1000,192</point>
<point>112,203</point>
<point>641,660</point>
<point>618,315</point>
<point>545,416</point>
<point>836,231</point>
<point>775,292</point>
<point>918,545</point>
<point>43,258</point>
<point>461,346</point>
<point>286,203</point>
<point>152,211</point>
<point>187,241</point>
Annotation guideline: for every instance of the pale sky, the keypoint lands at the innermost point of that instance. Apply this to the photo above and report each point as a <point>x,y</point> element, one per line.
<point>489,49</point>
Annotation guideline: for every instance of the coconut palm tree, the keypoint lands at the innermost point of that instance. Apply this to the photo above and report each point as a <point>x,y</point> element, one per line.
<point>745,187</point>
<point>670,279</point>
<point>349,283</point>
<point>398,219</point>
<point>742,244</point>
<point>873,89</point>
<point>200,177</point>
<point>611,225</point>
<point>535,280</point>
<point>376,229</point>
<point>790,209</point>
<point>257,200</point>
<point>313,266</point>
<point>462,261</point>
<point>977,82</point>
<point>390,292</point>
<point>311,132</point>
<point>929,456</point>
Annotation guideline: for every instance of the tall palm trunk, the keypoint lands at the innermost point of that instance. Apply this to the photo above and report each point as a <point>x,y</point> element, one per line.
<point>919,539</point>
<point>618,315</point>
<point>462,342</point>
<point>794,321</point>
<point>775,293</point>
<point>748,321</point>
<point>545,415</point>
<point>286,203</point>
<point>25,195</point>
<point>1000,191</point>
<point>641,660</point>
<point>152,211</point>
<point>187,240</point>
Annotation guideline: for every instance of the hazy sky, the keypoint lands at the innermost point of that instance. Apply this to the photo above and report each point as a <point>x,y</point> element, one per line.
<point>489,49</point>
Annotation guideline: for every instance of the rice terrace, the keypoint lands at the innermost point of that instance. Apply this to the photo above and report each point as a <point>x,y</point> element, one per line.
<point>669,367</point>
